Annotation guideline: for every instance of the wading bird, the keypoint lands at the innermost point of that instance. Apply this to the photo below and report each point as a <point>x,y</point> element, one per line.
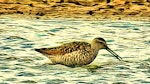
<point>76,53</point>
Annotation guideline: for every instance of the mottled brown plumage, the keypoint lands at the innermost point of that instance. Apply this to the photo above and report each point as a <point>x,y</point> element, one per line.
<point>76,53</point>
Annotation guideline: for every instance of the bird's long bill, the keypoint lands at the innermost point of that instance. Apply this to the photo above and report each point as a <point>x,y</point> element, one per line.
<point>114,54</point>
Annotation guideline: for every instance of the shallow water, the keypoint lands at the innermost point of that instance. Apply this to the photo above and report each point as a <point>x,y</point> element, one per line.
<point>19,63</point>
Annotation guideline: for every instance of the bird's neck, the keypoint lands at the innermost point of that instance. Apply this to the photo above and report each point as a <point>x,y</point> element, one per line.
<point>95,51</point>
<point>95,48</point>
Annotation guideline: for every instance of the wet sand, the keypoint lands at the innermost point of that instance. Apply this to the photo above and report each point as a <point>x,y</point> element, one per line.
<point>92,10</point>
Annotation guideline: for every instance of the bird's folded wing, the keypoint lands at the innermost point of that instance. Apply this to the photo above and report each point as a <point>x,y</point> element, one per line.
<point>64,49</point>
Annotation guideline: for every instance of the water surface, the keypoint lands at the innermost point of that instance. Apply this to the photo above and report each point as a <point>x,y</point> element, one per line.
<point>19,63</point>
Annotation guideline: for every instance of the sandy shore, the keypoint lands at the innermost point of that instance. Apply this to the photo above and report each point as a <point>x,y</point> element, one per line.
<point>116,10</point>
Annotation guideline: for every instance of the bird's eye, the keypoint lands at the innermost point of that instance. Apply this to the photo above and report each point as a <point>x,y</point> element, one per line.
<point>101,42</point>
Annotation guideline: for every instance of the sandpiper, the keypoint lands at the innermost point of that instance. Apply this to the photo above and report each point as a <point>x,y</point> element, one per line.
<point>76,53</point>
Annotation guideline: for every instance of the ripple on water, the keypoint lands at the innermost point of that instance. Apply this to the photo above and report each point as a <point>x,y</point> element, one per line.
<point>147,42</point>
<point>121,25</point>
<point>28,81</point>
<point>4,68</point>
<point>143,81</point>
<point>119,83</point>
<point>11,79</point>
<point>148,60</point>
<point>54,81</point>
<point>27,74</point>
<point>135,28</point>
<point>124,75</point>
<point>41,34</point>
<point>122,67</point>
<point>57,29</point>
<point>19,68</point>
<point>10,58</point>
<point>4,83</point>
<point>15,38</point>
<point>27,45</point>
<point>5,48</point>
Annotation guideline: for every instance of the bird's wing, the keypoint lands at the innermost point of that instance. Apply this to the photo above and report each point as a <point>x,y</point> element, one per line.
<point>64,49</point>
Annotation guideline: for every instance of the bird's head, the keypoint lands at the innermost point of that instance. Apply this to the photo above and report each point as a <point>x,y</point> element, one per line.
<point>100,43</point>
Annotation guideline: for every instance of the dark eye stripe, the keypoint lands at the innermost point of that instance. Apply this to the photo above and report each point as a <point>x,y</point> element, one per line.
<point>99,42</point>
